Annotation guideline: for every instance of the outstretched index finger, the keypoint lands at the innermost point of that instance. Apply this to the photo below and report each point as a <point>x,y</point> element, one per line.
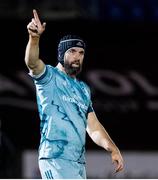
<point>36,17</point>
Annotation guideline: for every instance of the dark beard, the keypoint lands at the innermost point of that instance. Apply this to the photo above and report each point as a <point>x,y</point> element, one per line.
<point>70,70</point>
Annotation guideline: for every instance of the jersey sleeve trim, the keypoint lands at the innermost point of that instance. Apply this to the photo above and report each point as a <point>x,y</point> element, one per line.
<point>90,109</point>
<point>39,76</point>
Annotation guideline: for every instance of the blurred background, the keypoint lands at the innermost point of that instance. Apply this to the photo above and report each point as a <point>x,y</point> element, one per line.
<point>120,67</point>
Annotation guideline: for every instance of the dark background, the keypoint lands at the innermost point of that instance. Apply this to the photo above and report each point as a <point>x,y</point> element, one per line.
<point>121,40</point>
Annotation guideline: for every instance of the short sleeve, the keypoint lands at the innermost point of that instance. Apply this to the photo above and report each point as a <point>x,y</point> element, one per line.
<point>45,76</point>
<point>90,108</point>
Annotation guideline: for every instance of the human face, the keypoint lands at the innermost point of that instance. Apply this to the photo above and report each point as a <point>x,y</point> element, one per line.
<point>73,60</point>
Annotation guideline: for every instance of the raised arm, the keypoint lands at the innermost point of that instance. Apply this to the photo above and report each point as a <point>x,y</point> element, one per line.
<point>100,136</point>
<point>35,29</point>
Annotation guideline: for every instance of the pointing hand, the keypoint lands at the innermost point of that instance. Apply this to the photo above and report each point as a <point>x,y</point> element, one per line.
<point>35,28</point>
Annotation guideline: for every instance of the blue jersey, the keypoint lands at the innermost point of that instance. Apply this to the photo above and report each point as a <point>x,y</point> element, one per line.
<point>63,104</point>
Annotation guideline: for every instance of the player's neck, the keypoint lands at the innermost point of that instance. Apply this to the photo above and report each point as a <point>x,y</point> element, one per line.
<point>61,68</point>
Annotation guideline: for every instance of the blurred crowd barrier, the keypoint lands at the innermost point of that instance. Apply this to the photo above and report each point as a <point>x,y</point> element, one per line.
<point>138,164</point>
<point>93,9</point>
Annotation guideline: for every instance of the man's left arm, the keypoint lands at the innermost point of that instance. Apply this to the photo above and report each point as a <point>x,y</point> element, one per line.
<point>100,136</point>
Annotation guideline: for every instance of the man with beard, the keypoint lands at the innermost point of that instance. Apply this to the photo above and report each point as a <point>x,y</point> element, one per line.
<point>65,108</point>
